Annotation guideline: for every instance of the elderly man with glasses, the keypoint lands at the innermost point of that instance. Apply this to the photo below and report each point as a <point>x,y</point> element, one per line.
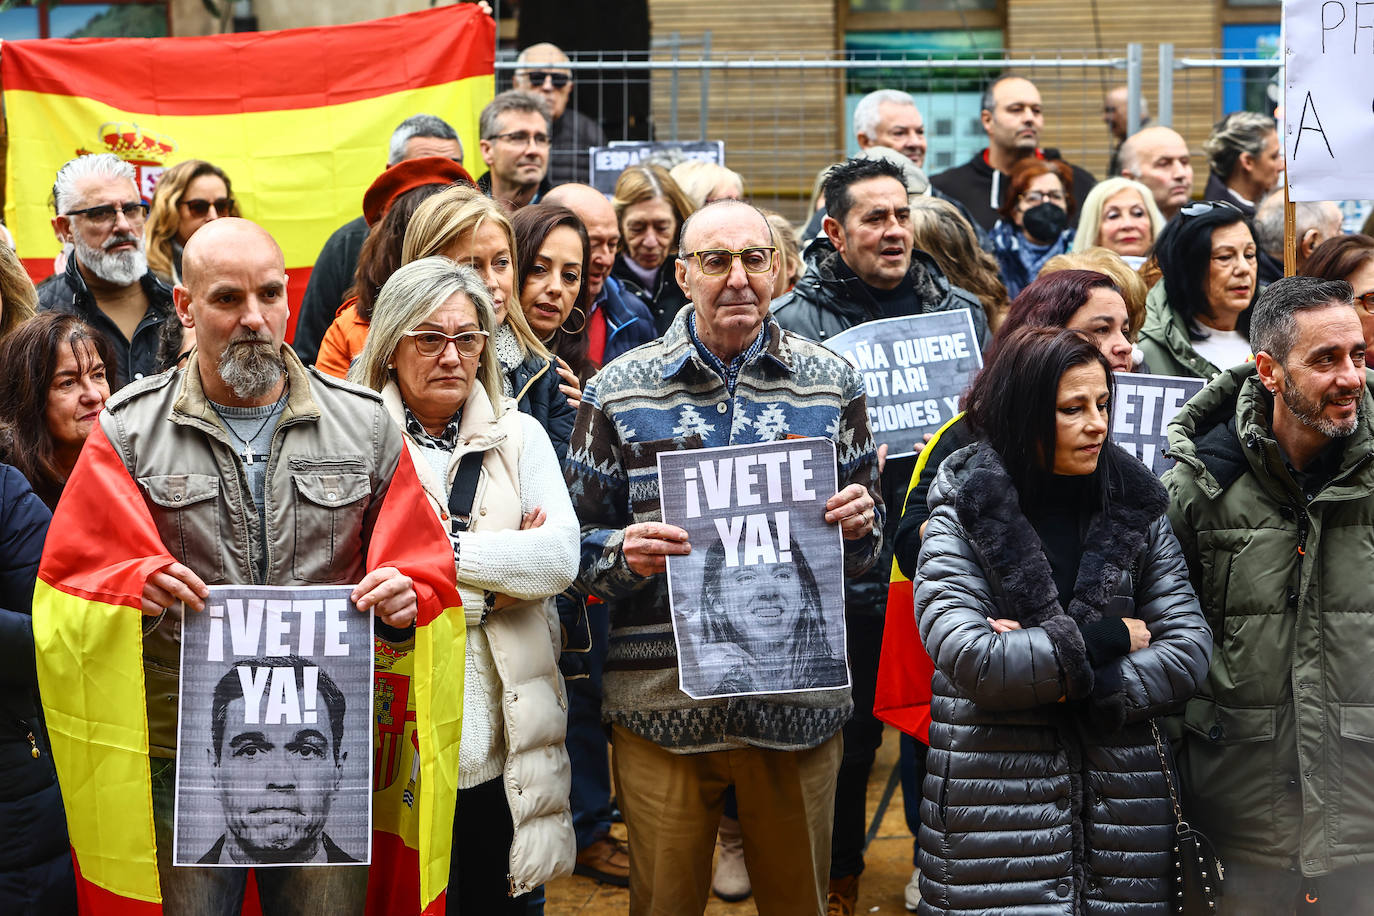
<point>516,135</point>
<point>724,373</point>
<point>106,282</point>
<point>573,132</point>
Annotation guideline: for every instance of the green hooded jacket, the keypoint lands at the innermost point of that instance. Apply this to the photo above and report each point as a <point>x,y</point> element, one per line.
<point>1278,753</point>
<point>1164,341</point>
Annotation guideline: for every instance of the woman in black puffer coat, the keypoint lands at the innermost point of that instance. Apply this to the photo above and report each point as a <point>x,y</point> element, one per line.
<point>1054,600</point>
<point>35,860</point>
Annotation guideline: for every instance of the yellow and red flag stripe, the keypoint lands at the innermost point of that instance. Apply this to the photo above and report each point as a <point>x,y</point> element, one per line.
<point>102,546</point>
<point>902,696</point>
<point>299,119</point>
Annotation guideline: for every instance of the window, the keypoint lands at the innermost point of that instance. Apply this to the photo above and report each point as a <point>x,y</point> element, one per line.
<point>85,20</point>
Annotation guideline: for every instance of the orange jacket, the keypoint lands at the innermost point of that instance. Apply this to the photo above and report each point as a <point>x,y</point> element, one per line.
<point>344,340</point>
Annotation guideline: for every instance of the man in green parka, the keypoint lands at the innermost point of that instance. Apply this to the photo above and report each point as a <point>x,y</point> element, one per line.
<point>1272,499</point>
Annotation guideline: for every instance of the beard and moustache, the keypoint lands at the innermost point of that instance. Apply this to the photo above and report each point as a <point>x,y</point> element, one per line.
<point>251,366</point>
<point>119,268</point>
<point>1309,412</point>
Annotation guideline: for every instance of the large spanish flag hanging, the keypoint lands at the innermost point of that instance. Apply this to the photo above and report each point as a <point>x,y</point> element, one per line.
<point>299,119</point>
<point>101,548</point>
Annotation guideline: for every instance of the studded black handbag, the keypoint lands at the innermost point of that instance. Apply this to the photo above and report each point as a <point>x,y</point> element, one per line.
<point>1198,873</point>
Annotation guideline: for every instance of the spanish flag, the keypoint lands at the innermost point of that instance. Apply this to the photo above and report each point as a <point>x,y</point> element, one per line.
<point>902,695</point>
<point>298,119</point>
<point>88,625</point>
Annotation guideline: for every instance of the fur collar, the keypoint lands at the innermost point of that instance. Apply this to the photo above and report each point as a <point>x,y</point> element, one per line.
<point>989,511</point>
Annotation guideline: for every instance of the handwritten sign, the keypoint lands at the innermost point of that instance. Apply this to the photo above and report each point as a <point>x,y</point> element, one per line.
<point>274,753</point>
<point>607,162</point>
<point>914,371</point>
<point>1142,410</point>
<point>1328,106</point>
<point>758,605</point>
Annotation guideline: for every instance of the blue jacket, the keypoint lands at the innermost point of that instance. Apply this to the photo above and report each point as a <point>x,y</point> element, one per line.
<point>35,860</point>
<point>535,382</point>
<point>628,320</point>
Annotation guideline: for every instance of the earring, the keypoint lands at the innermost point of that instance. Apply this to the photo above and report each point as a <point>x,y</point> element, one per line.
<point>580,328</point>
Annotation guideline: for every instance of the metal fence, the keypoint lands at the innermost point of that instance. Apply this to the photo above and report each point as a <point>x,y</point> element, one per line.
<point>783,119</point>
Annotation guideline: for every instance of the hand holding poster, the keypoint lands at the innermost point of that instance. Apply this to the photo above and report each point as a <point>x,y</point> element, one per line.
<point>274,743</point>
<point>1142,410</point>
<point>914,371</point>
<point>758,605</point>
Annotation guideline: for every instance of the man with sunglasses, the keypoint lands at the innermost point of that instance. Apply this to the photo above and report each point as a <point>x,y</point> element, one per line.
<point>724,373</point>
<point>863,268</point>
<point>516,134</point>
<point>106,282</point>
<point>573,132</point>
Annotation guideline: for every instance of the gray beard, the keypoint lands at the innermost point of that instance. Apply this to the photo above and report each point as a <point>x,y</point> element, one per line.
<point>121,268</point>
<point>1309,414</point>
<point>251,369</point>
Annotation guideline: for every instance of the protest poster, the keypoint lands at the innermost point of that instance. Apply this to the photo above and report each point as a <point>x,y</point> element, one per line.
<point>607,162</point>
<point>914,370</point>
<point>1328,56</point>
<point>274,743</point>
<point>758,605</point>
<point>1142,410</point>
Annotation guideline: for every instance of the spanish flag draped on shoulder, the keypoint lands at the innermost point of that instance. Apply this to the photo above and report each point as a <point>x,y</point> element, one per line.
<point>299,119</point>
<point>88,632</point>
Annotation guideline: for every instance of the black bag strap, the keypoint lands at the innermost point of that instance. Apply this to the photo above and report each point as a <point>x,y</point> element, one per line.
<point>464,490</point>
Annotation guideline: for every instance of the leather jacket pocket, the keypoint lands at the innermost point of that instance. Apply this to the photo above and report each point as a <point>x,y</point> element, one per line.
<point>330,504</point>
<point>189,516</point>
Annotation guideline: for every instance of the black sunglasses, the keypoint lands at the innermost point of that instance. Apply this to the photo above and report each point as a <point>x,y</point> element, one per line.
<point>537,77</point>
<point>199,207</point>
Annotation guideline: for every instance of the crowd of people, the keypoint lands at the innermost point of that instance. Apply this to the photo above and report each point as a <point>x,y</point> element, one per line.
<point>517,350</point>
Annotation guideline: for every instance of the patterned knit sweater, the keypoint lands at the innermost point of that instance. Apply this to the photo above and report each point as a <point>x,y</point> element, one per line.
<point>663,396</point>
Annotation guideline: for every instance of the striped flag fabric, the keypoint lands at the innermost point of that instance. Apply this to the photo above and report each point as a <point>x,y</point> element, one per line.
<point>88,628</point>
<point>299,119</point>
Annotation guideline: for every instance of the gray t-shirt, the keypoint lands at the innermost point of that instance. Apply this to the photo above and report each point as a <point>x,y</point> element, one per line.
<point>250,434</point>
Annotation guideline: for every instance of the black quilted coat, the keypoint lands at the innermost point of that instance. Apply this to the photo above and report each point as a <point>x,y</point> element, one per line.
<point>1035,804</point>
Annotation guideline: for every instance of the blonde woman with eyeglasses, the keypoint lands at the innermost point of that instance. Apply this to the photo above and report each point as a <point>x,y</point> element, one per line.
<point>491,475</point>
<point>462,224</point>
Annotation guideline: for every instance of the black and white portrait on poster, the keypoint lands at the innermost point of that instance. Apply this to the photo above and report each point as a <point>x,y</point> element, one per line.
<point>274,744</point>
<point>1142,410</point>
<point>914,369</point>
<point>758,605</point>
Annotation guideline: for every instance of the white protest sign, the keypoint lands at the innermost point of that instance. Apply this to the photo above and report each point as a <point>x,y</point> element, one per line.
<point>1142,410</point>
<point>914,370</point>
<point>758,605</point>
<point>1328,107</point>
<point>274,739</point>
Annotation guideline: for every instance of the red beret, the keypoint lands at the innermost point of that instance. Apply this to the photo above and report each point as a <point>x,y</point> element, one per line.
<point>406,176</point>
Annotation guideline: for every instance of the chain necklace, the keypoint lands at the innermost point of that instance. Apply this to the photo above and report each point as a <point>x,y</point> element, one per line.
<point>247,453</point>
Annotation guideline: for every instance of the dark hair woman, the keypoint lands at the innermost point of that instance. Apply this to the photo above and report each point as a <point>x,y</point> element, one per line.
<point>54,387</point>
<point>1054,601</point>
<point>1081,300</point>
<point>1034,224</point>
<point>1197,317</point>
<point>551,256</point>
<point>1349,258</point>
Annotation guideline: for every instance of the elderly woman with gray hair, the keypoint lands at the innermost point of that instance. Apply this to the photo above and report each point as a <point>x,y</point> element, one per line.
<point>491,475</point>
